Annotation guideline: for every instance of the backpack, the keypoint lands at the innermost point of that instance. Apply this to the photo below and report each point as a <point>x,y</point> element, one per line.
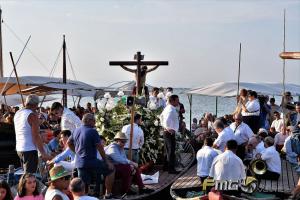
<point>295,143</point>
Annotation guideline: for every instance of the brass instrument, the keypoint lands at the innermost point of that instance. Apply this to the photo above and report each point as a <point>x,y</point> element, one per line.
<point>258,166</point>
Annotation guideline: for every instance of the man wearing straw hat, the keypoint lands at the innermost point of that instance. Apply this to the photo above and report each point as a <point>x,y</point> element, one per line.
<point>58,184</point>
<point>28,138</point>
<point>125,169</point>
<point>85,142</point>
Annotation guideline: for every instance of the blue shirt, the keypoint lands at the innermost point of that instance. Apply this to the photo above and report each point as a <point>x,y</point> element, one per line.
<point>53,144</point>
<point>116,154</point>
<point>85,140</point>
<point>67,153</point>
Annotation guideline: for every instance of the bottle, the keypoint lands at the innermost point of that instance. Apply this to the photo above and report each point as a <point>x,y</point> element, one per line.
<point>10,175</point>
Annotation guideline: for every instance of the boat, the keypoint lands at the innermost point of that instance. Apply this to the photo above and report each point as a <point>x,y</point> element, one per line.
<point>166,179</point>
<point>188,186</point>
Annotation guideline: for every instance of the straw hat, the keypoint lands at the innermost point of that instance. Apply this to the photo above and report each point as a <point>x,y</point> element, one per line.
<point>58,172</point>
<point>120,136</point>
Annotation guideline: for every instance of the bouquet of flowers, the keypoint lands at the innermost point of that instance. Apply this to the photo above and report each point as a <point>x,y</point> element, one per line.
<point>112,116</point>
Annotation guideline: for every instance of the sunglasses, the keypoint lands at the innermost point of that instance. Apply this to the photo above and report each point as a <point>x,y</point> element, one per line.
<point>123,141</point>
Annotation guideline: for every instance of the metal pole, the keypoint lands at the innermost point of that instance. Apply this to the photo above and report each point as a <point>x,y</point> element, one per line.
<point>283,71</point>
<point>239,71</point>
<point>131,132</point>
<point>15,70</point>
<point>216,106</point>
<point>190,101</point>
<point>64,73</point>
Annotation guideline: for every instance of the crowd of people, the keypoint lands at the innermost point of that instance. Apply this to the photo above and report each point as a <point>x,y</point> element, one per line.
<point>76,148</point>
<point>257,129</point>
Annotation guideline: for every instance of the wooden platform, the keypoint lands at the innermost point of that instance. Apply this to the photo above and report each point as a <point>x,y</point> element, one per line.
<point>166,179</point>
<point>285,184</point>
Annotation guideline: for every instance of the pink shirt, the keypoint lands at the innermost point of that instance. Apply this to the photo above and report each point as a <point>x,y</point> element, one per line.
<point>38,197</point>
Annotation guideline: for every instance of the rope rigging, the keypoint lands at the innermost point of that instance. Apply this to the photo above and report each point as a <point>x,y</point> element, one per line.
<point>20,40</point>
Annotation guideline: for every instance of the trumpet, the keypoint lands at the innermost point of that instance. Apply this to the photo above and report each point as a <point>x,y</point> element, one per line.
<point>258,166</point>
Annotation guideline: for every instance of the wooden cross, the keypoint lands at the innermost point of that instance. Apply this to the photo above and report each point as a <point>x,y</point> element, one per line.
<point>141,69</point>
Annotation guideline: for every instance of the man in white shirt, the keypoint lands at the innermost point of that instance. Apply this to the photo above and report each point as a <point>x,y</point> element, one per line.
<point>224,135</point>
<point>170,122</point>
<point>69,121</point>
<point>242,133</point>
<point>137,137</point>
<point>205,157</point>
<point>28,139</point>
<point>278,122</point>
<point>272,158</point>
<point>228,166</point>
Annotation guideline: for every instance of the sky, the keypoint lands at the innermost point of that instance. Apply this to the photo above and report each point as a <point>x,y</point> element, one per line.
<point>200,39</point>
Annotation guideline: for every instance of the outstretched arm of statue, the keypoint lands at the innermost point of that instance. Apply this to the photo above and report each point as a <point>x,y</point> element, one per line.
<point>128,69</point>
<point>153,68</point>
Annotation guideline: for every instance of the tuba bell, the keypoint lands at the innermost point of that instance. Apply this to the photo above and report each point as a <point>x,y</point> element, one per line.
<point>258,166</point>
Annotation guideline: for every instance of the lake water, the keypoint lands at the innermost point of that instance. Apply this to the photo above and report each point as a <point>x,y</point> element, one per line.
<point>200,104</point>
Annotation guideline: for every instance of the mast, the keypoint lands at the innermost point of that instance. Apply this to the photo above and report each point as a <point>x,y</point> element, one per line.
<point>64,73</point>
<point>1,58</point>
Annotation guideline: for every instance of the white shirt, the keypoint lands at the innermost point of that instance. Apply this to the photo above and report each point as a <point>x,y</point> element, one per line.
<point>24,141</point>
<point>259,148</point>
<point>138,136</point>
<point>205,157</point>
<point>52,192</point>
<point>158,102</point>
<point>223,137</point>
<point>169,118</point>
<point>227,166</point>
<point>69,121</point>
<point>280,138</point>
<point>277,124</point>
<point>242,132</point>
<point>253,108</point>
<point>272,158</point>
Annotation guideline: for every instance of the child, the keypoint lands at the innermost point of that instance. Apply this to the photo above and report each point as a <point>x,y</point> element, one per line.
<point>5,193</point>
<point>28,188</point>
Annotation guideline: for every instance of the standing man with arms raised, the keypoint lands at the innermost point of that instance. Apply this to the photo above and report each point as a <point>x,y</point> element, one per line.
<point>28,140</point>
<point>170,122</point>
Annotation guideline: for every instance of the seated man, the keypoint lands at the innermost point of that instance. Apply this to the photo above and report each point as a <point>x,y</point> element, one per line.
<point>67,157</point>
<point>272,158</point>
<point>228,166</point>
<point>288,148</point>
<point>205,157</point>
<point>124,167</point>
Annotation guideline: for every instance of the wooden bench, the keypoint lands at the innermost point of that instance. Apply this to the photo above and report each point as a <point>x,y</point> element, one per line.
<point>286,182</point>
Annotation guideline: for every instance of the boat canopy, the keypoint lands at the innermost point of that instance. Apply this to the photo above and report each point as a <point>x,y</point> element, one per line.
<point>41,85</point>
<point>229,89</point>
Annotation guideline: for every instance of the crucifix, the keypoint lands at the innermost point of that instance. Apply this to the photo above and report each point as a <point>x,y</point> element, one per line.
<point>140,71</point>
